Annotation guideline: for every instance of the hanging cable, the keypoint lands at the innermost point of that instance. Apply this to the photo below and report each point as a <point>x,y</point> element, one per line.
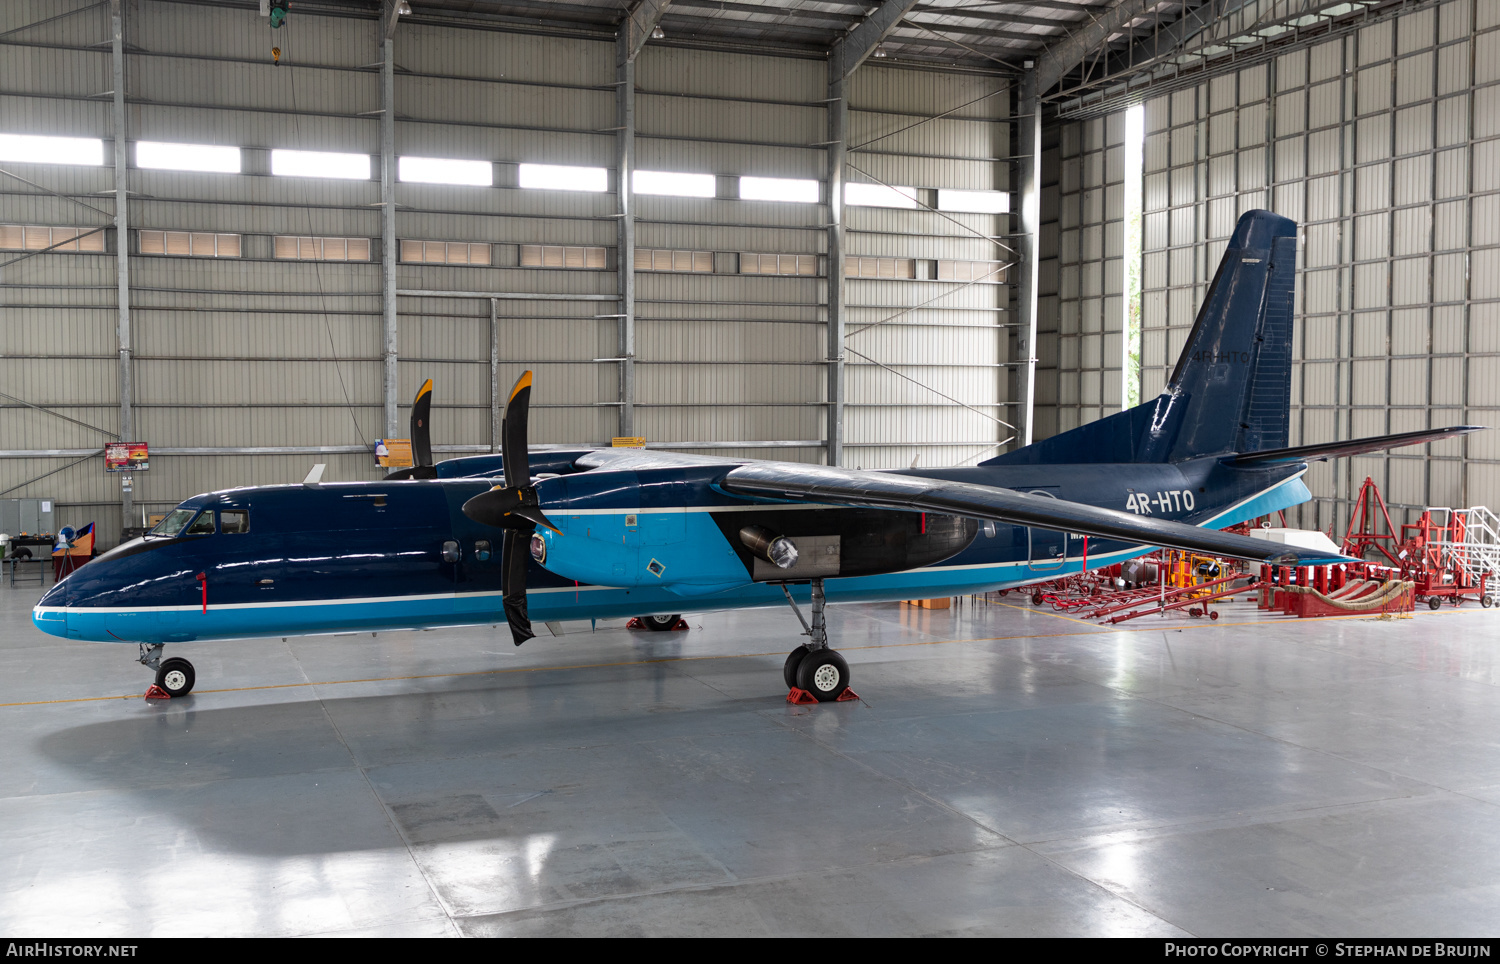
<point>318,271</point>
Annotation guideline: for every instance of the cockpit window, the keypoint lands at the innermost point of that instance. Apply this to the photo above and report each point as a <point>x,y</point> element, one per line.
<point>234,521</point>
<point>174,523</point>
<point>203,525</point>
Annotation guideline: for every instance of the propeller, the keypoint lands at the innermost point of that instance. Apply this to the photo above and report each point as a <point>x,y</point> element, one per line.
<point>513,507</point>
<point>421,438</point>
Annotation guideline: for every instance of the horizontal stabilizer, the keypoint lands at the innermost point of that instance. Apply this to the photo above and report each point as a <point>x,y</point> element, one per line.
<point>830,485</point>
<point>1358,446</point>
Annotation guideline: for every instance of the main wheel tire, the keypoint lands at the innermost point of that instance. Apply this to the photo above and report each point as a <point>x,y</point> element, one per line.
<point>824,674</point>
<point>1434,602</point>
<point>660,624</point>
<point>176,676</point>
<point>789,668</point>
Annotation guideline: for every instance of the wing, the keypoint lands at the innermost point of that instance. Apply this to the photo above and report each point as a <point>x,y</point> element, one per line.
<point>1358,446</point>
<point>824,484</point>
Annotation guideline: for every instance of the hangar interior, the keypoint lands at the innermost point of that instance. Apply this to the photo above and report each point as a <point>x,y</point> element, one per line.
<point>864,233</point>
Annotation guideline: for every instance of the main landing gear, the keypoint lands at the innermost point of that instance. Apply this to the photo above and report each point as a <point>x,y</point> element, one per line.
<point>174,677</point>
<point>813,669</point>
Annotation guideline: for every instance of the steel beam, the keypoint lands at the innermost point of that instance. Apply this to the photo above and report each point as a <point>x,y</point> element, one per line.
<point>501,295</point>
<point>494,375</point>
<point>626,48</point>
<point>852,49</point>
<point>389,18</point>
<point>837,137</point>
<point>636,28</point>
<point>1071,50</point>
<point>848,53</point>
<point>122,249</point>
<point>1028,174</point>
<point>391,337</point>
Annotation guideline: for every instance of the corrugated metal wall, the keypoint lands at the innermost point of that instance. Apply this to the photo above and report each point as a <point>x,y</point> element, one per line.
<point>1383,145</point>
<point>259,352</point>
<point>956,346</point>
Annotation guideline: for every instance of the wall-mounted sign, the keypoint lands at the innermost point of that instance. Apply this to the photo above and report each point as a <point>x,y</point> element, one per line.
<point>126,457</point>
<point>393,453</point>
<point>628,442</point>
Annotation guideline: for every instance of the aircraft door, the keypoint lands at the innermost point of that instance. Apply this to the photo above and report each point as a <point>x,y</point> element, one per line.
<point>662,519</point>
<point>1045,549</point>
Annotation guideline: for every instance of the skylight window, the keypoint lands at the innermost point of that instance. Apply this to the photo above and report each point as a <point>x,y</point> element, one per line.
<point>187,157</point>
<point>441,170</point>
<point>354,167</point>
<point>38,149</point>
<point>673,183</point>
<point>975,202</point>
<point>555,177</point>
<point>880,196</point>
<point>778,189</point>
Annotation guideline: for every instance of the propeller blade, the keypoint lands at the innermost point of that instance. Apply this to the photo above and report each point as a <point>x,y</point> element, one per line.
<point>513,433</point>
<point>421,440</point>
<point>513,583</point>
<point>533,513</point>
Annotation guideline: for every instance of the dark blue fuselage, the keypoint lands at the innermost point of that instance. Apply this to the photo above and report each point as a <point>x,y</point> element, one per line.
<point>391,555</point>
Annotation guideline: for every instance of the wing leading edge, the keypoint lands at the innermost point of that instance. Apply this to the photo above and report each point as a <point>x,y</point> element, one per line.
<point>816,483</point>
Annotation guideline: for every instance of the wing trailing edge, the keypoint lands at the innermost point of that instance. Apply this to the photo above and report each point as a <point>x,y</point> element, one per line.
<point>1358,446</point>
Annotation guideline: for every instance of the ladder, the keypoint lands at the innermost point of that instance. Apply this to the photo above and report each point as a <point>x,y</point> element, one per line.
<point>1474,545</point>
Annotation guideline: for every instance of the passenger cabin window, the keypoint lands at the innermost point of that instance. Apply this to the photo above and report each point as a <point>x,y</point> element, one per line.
<point>234,521</point>
<point>203,525</point>
<point>174,523</point>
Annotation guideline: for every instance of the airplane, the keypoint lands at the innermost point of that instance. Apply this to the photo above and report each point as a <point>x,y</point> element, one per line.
<point>594,533</point>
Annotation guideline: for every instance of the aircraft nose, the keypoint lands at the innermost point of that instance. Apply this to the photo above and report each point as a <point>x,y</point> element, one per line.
<point>50,614</point>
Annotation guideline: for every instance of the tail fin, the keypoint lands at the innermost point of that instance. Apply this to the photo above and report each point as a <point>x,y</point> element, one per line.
<point>1231,389</point>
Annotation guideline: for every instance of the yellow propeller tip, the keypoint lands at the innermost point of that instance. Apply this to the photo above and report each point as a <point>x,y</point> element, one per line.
<point>523,382</point>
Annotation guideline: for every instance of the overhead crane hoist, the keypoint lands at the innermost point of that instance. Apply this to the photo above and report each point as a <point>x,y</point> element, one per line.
<point>275,11</point>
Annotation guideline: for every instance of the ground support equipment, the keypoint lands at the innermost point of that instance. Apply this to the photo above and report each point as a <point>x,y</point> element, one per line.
<point>1187,597</point>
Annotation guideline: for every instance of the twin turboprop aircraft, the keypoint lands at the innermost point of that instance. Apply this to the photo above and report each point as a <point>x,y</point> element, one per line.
<point>597,533</point>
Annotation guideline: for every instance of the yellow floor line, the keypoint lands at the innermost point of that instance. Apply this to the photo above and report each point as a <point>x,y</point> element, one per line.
<point>1097,630</point>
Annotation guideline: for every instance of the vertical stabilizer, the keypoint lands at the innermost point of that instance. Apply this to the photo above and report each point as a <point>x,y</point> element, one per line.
<point>1231,388</point>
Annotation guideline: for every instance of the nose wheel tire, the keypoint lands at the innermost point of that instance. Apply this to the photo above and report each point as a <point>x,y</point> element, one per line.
<point>660,624</point>
<point>176,676</point>
<point>824,674</point>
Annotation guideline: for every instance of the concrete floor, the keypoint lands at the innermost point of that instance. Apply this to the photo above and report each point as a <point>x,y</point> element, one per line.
<point>1009,772</point>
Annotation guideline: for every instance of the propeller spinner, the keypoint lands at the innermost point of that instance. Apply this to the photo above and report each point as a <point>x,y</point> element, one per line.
<point>514,508</point>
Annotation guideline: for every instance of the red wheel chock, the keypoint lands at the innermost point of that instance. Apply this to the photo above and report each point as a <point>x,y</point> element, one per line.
<point>154,692</point>
<point>800,697</point>
<point>635,623</point>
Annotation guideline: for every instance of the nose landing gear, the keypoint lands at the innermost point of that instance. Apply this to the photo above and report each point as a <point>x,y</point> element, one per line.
<point>174,677</point>
<point>814,672</point>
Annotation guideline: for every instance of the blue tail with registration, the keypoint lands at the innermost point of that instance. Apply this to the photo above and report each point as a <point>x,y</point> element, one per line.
<point>1231,390</point>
